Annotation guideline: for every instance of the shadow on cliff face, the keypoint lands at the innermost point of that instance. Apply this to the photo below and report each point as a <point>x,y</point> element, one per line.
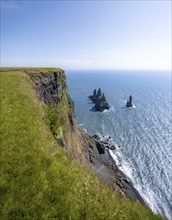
<point>99,148</point>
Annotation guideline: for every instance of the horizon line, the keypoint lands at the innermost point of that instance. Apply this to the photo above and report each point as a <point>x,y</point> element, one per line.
<point>87,69</point>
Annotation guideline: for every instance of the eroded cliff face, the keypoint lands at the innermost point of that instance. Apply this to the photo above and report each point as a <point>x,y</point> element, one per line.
<point>51,90</point>
<point>49,86</point>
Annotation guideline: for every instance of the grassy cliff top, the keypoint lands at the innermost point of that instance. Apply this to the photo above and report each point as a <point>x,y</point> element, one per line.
<point>38,180</point>
<point>40,69</point>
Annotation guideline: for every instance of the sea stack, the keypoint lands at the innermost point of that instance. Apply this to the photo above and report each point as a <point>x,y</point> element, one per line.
<point>100,100</point>
<point>129,103</point>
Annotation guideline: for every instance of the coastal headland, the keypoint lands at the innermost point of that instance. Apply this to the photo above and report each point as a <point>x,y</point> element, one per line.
<point>47,159</point>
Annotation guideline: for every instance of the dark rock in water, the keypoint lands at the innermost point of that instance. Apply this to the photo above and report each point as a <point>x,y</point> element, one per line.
<point>99,93</point>
<point>94,93</point>
<point>94,96</point>
<point>112,147</point>
<point>96,136</point>
<point>129,103</point>
<point>100,100</point>
<point>104,143</point>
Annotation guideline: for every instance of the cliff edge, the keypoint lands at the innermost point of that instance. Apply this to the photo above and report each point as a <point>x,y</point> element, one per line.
<point>51,89</point>
<point>40,144</point>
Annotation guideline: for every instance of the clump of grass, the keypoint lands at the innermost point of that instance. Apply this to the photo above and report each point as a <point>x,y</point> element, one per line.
<point>38,180</point>
<point>58,116</point>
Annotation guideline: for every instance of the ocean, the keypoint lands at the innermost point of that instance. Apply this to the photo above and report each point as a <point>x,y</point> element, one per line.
<point>142,134</point>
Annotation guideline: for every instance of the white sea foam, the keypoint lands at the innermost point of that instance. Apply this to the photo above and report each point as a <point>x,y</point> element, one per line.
<point>126,102</point>
<point>122,164</point>
<point>84,129</point>
<point>81,125</point>
<point>126,168</point>
<point>132,106</point>
<point>105,111</point>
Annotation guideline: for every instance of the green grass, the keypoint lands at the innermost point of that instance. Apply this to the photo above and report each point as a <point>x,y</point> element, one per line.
<point>38,180</point>
<point>40,69</point>
<point>58,116</point>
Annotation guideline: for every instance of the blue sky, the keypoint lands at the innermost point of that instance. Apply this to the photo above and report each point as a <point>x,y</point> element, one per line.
<point>86,34</point>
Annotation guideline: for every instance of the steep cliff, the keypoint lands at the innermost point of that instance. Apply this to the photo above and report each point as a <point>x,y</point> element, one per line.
<point>51,89</point>
<point>90,152</point>
<point>38,179</point>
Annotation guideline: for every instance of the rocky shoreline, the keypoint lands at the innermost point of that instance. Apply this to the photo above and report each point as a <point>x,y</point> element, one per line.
<point>110,172</point>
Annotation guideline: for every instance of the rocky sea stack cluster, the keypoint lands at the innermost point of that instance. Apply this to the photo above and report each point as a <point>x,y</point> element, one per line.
<point>129,103</point>
<point>100,100</point>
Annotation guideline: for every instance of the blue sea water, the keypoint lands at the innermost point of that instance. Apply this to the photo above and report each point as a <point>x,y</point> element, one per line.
<point>143,133</point>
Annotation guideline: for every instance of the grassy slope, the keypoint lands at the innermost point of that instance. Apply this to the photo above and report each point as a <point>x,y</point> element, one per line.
<point>38,180</point>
